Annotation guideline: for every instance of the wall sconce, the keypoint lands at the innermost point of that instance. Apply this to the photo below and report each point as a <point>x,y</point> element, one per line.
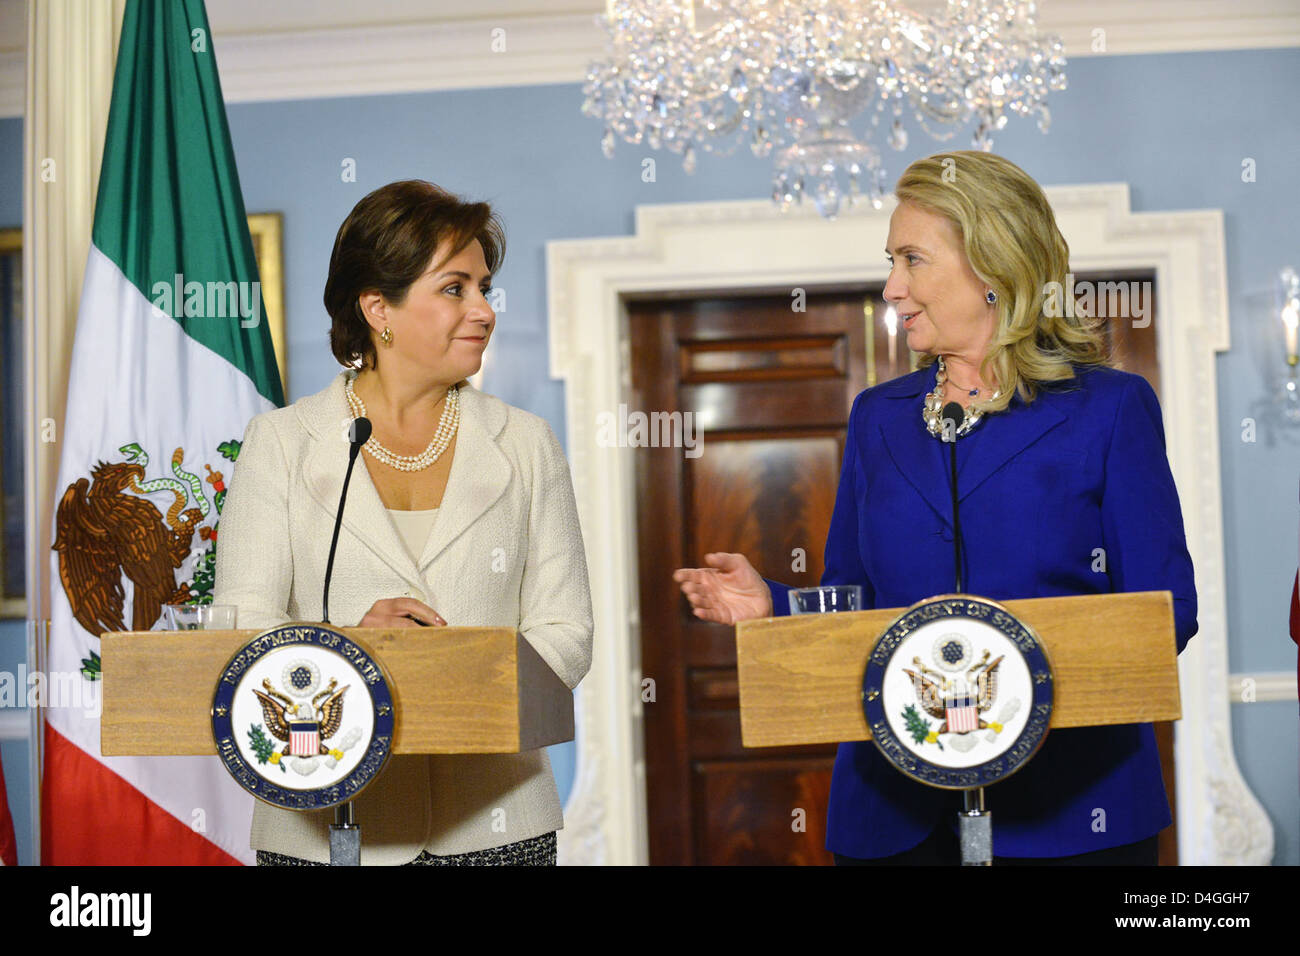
<point>1288,310</point>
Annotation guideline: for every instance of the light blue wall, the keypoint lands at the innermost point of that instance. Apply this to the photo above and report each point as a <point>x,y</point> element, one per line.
<point>13,636</point>
<point>1175,127</point>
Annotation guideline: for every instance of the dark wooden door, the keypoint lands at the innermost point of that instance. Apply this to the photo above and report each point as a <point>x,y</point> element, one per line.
<point>771,388</point>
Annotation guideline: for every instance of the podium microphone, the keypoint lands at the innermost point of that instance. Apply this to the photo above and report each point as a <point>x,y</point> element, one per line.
<point>358,435</point>
<point>345,833</point>
<point>974,822</point>
<point>950,418</point>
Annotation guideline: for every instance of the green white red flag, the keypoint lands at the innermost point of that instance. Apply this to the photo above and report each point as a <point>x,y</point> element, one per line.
<point>171,358</point>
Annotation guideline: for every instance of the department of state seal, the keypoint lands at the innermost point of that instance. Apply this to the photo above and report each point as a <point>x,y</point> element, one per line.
<point>958,692</point>
<point>303,717</point>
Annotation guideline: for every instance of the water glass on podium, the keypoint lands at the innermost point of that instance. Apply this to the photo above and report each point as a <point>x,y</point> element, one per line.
<point>200,617</point>
<point>826,600</point>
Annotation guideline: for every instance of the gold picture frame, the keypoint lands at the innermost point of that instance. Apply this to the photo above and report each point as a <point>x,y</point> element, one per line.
<point>266,229</point>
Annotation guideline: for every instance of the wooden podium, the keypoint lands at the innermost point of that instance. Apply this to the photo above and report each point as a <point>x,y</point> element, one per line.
<point>457,690</point>
<point>1114,661</point>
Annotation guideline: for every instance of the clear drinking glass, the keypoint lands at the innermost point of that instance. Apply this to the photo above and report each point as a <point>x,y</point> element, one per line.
<point>200,617</point>
<point>826,600</point>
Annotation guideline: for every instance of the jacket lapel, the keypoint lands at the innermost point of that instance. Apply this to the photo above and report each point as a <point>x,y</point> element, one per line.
<point>479,472</point>
<point>923,460</point>
<point>1008,434</point>
<point>479,476</point>
<point>916,454</point>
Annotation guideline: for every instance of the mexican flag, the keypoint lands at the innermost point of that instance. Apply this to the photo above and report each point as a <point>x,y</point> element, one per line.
<point>171,358</point>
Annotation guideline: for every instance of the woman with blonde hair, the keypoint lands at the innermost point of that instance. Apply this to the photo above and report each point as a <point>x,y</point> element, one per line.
<point>1060,455</point>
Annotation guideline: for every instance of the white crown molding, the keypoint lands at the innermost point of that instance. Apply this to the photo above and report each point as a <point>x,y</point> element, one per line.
<point>749,244</point>
<point>1170,26</point>
<point>407,58</point>
<point>260,60</point>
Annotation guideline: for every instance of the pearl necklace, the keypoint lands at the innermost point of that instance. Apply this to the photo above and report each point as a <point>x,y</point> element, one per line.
<point>930,411</point>
<point>447,426</point>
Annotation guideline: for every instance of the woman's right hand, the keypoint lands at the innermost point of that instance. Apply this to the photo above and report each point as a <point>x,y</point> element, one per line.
<point>401,612</point>
<point>727,591</point>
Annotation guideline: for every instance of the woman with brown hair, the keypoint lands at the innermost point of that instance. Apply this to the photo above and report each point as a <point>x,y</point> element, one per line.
<point>464,514</point>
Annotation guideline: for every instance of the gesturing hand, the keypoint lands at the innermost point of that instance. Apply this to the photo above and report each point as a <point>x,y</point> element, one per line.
<point>727,591</point>
<point>401,612</point>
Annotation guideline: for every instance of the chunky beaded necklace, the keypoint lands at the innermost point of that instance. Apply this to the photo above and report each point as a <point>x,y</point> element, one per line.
<point>447,426</point>
<point>934,405</point>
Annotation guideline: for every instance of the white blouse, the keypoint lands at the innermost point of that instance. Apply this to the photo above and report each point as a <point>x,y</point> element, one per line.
<point>414,527</point>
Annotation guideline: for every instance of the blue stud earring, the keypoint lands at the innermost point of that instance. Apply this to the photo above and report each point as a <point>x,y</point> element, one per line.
<point>990,297</point>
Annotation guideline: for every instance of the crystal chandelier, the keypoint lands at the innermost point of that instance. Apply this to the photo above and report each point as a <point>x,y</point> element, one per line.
<point>808,81</point>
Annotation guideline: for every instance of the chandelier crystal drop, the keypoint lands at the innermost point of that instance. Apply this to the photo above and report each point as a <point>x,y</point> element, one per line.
<point>808,82</point>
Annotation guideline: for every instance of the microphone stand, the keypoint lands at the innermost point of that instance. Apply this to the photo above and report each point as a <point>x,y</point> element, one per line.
<point>345,832</point>
<point>974,823</point>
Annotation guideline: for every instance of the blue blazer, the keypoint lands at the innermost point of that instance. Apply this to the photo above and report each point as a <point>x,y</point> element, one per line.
<point>1042,486</point>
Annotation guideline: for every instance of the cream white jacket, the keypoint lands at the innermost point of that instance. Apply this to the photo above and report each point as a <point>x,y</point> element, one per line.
<point>506,550</point>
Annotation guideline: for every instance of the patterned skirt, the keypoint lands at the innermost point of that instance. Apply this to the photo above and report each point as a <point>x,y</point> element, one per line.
<point>538,851</point>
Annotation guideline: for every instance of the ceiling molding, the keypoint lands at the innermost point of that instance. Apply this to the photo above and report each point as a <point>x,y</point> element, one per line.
<point>262,60</point>
<point>415,57</point>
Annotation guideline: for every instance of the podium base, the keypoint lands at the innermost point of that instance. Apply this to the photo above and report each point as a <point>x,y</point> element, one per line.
<point>345,837</point>
<point>975,830</point>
